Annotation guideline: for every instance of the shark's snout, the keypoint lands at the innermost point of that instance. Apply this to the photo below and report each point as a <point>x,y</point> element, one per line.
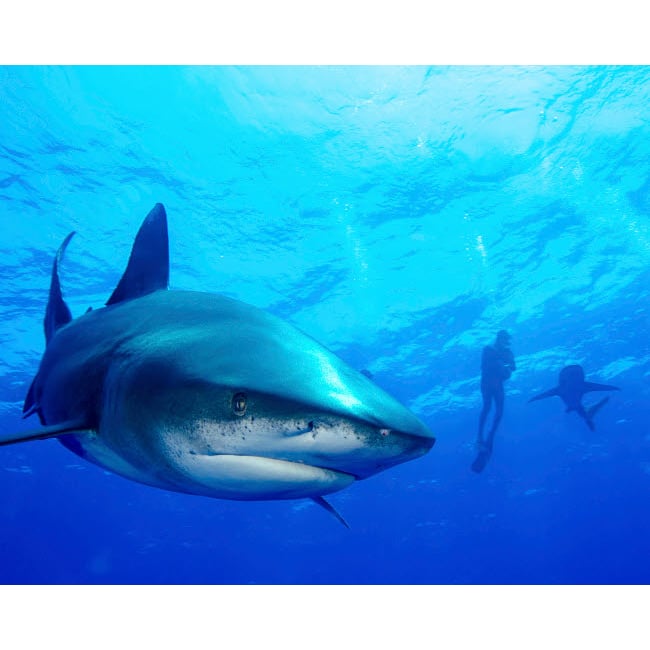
<point>404,447</point>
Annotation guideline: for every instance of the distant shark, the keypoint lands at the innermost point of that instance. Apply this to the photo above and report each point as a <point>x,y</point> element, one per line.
<point>199,393</point>
<point>571,389</point>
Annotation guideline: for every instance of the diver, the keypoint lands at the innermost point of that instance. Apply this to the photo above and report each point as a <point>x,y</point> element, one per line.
<point>497,364</point>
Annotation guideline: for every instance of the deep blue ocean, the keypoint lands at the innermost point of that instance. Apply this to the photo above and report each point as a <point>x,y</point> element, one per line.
<point>399,215</point>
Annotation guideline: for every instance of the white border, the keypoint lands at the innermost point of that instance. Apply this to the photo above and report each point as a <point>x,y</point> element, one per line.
<point>332,32</point>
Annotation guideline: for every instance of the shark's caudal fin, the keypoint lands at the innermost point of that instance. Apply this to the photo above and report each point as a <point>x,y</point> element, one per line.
<point>592,410</point>
<point>53,431</point>
<point>148,267</point>
<point>146,272</point>
<point>546,393</point>
<point>57,313</point>
<point>30,406</point>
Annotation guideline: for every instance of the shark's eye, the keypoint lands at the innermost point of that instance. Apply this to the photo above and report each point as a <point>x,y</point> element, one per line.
<point>239,404</point>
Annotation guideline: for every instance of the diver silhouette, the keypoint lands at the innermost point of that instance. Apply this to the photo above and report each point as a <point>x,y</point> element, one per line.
<point>571,389</point>
<point>497,364</point>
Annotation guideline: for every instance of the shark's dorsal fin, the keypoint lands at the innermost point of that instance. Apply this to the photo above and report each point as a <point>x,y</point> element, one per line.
<point>148,267</point>
<point>57,313</point>
<point>52,431</point>
<point>330,508</point>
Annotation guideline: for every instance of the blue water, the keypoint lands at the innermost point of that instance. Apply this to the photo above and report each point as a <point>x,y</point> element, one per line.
<point>400,216</point>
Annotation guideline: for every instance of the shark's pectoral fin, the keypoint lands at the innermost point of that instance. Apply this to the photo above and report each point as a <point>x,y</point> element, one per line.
<point>51,431</point>
<point>148,267</point>
<point>591,386</point>
<point>331,509</point>
<point>548,393</point>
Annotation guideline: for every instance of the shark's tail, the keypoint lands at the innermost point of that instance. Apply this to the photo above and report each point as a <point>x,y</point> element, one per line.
<point>57,314</point>
<point>146,271</point>
<point>592,410</point>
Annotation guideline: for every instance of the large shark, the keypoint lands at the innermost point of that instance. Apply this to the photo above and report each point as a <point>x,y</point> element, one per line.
<point>199,393</point>
<point>571,389</point>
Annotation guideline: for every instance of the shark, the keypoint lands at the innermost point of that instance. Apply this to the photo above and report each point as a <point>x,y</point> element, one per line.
<point>199,393</point>
<point>571,388</point>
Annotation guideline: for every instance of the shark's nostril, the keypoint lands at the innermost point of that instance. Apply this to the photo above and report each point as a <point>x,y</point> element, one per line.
<point>301,429</point>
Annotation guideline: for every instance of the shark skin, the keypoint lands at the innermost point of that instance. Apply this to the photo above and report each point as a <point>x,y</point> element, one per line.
<point>571,388</point>
<point>202,394</point>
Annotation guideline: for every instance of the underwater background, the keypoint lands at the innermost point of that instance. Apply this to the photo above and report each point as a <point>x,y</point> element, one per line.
<point>399,215</point>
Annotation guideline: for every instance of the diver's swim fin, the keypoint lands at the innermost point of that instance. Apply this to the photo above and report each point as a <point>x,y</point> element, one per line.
<point>51,431</point>
<point>482,459</point>
<point>330,508</point>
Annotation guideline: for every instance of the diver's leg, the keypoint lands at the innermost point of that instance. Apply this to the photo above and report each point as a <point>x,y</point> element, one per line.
<point>483,453</point>
<point>487,403</point>
<point>498,413</point>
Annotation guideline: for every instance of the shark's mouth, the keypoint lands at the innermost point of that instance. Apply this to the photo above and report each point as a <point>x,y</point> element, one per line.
<point>314,447</point>
<point>246,478</point>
